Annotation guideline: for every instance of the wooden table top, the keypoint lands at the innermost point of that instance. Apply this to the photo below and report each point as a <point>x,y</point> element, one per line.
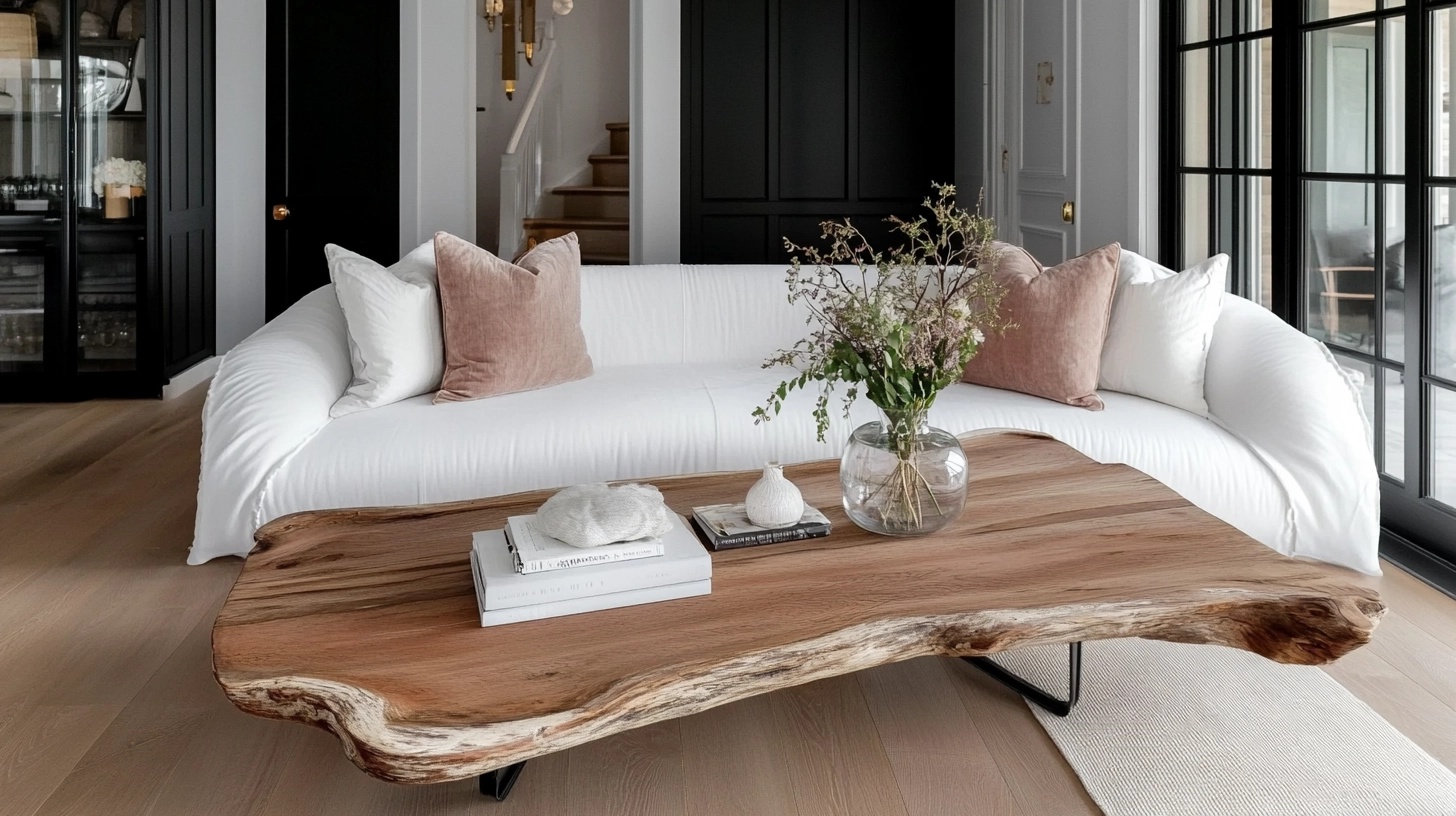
<point>365,621</point>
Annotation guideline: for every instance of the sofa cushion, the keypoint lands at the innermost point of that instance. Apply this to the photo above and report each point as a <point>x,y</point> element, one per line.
<point>1054,349</point>
<point>393,316</point>
<point>509,327</point>
<point>1161,329</point>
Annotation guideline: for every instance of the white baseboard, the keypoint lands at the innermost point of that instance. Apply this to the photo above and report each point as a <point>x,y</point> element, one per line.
<point>191,378</point>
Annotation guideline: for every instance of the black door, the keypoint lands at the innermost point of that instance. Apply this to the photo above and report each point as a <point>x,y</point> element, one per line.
<point>801,111</point>
<point>185,110</point>
<point>333,144</point>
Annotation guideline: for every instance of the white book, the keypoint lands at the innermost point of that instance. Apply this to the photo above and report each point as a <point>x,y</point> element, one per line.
<point>537,552</point>
<point>684,559</point>
<point>576,606</point>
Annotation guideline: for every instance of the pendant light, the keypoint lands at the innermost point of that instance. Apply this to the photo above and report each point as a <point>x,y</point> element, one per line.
<point>508,48</point>
<point>528,28</point>
<point>493,10</point>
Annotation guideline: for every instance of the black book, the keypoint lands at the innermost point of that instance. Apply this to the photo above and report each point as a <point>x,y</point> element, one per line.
<point>726,527</point>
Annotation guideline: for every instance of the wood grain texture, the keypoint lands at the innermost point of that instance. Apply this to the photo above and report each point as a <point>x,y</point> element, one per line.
<point>364,621</point>
<point>941,763</point>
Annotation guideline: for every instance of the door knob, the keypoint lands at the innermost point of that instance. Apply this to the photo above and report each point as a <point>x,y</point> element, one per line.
<point>281,212</point>
<point>1069,211</point>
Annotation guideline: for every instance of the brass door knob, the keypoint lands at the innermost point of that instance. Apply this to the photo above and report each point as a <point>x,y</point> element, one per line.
<point>1069,211</point>
<point>281,212</point>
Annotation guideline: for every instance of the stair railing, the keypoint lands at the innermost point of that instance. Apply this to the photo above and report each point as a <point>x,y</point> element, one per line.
<point>528,155</point>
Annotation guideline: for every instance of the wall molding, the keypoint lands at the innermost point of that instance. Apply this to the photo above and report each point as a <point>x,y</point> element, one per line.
<point>1143,160</point>
<point>1421,563</point>
<point>656,106</point>
<point>191,378</point>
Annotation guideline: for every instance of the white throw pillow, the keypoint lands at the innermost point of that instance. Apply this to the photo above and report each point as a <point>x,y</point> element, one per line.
<point>1161,327</point>
<point>393,316</point>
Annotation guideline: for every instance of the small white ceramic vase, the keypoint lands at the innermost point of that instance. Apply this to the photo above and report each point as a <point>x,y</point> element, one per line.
<point>774,501</point>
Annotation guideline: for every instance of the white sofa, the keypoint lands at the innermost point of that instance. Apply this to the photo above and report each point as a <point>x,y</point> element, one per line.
<point>678,351</point>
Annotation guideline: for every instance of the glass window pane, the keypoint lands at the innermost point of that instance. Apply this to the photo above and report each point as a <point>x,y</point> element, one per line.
<point>1394,267</point>
<point>1442,453</point>
<point>1195,108</point>
<point>1195,20</point>
<point>1340,99</point>
<point>1329,9</point>
<point>1443,56</point>
<point>1257,103</point>
<point>1223,17</point>
<point>1227,231</point>
<point>1195,219</point>
<point>1393,392</point>
<point>1227,96</point>
<point>1258,15</point>
<point>1394,104</point>
<point>1259,227</point>
<point>1340,263</point>
<point>1362,376</point>
<point>1441,283</point>
<point>1393,4</point>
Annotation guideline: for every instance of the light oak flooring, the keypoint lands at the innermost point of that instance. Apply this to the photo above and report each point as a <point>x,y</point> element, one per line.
<point>108,706</point>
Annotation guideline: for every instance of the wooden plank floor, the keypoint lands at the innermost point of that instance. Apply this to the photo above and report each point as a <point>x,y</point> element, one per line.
<point>108,706</point>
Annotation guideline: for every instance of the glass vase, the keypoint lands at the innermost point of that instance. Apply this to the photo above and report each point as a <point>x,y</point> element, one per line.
<point>901,477</point>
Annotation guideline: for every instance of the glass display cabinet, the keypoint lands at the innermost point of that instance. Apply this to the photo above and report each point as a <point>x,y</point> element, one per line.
<point>86,143</point>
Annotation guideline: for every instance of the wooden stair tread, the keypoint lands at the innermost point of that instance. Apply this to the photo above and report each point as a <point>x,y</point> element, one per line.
<point>591,190</point>
<point>575,222</point>
<point>608,158</point>
<point>619,126</point>
<point>603,259</point>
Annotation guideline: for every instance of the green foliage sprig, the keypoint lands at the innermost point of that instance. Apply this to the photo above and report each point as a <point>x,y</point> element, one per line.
<point>899,326</point>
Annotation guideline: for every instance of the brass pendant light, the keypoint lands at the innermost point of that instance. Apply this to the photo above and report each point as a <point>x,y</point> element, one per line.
<point>505,11</point>
<point>508,48</point>
<point>528,28</point>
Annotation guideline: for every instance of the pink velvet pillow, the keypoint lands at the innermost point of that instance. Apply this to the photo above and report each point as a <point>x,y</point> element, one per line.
<point>509,327</point>
<point>1061,316</point>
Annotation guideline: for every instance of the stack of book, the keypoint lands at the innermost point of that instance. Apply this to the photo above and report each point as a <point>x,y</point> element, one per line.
<point>522,574</point>
<point>726,527</point>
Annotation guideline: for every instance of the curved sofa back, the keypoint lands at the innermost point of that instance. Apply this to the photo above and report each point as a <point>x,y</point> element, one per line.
<point>635,315</point>
<point>1283,394</point>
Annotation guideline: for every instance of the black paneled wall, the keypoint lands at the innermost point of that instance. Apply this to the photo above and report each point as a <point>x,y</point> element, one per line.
<point>798,111</point>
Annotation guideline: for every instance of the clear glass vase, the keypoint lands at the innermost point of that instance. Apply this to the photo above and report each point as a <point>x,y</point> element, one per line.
<point>901,477</point>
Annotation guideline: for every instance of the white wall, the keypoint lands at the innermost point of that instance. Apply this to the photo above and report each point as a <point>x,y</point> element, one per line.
<point>592,45</point>
<point>241,166</point>
<point>437,120</point>
<point>972,141</point>
<point>656,131</point>
<point>1119,137</point>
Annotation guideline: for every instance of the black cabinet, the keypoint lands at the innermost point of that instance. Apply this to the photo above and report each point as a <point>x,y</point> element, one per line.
<point>106,195</point>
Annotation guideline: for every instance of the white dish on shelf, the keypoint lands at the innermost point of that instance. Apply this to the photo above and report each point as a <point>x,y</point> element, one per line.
<point>103,83</point>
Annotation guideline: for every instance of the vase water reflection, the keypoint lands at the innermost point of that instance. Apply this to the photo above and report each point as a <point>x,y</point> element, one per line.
<point>901,477</point>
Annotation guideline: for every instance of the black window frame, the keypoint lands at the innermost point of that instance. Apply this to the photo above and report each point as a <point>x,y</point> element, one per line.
<point>1418,529</point>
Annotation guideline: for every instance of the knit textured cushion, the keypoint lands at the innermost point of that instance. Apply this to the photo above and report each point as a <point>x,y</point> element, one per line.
<point>509,327</point>
<point>1060,314</point>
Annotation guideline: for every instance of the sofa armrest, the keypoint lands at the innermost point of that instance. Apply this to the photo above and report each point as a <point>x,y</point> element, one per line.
<point>1284,395</point>
<point>271,394</point>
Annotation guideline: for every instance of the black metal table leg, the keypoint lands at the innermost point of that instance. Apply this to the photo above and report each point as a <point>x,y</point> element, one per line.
<point>498,783</point>
<point>1032,692</point>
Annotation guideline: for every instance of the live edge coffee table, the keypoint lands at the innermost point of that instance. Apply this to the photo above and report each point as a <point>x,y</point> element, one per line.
<point>364,622</point>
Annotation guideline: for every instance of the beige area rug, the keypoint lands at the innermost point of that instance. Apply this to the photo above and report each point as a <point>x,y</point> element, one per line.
<point>1165,729</point>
